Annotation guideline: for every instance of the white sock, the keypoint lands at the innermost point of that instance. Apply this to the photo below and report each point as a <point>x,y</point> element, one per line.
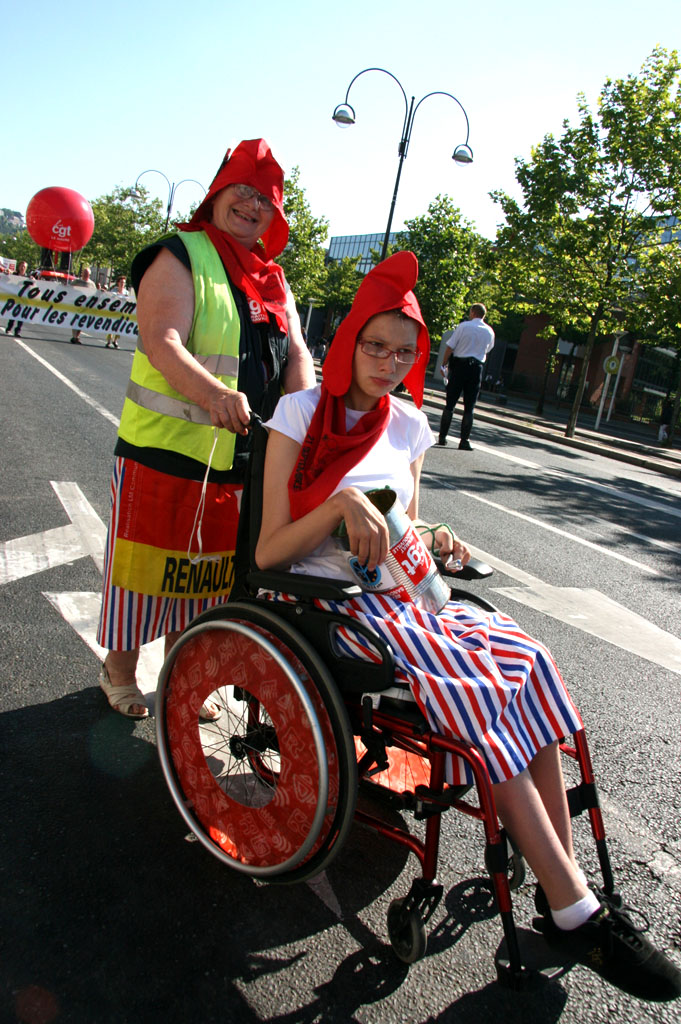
<point>577,913</point>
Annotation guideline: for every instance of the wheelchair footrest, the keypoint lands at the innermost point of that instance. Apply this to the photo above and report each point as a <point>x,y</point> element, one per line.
<point>427,803</point>
<point>519,980</point>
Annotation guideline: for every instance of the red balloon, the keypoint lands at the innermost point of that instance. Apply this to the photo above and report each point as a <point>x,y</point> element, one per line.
<point>60,219</point>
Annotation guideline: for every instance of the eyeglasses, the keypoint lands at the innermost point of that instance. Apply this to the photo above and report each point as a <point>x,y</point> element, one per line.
<point>248,192</point>
<point>377,350</point>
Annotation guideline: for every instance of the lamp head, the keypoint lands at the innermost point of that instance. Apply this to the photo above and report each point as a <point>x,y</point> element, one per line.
<point>343,115</point>
<point>463,154</point>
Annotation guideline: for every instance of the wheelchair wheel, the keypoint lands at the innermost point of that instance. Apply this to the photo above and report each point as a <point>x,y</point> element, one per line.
<point>268,788</point>
<point>406,931</point>
<point>516,868</point>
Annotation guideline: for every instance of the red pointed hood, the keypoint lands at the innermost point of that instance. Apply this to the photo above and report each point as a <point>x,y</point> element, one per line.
<point>252,164</point>
<point>386,287</point>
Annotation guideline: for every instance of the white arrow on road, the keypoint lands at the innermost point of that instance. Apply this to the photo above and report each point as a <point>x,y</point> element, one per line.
<point>85,536</point>
<point>592,612</point>
<point>39,551</point>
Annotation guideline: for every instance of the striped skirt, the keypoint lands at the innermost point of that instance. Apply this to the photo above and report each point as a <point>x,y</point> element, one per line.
<point>475,676</point>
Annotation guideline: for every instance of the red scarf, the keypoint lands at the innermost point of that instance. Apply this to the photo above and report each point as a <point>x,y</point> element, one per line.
<point>251,270</point>
<point>329,450</point>
<point>261,280</point>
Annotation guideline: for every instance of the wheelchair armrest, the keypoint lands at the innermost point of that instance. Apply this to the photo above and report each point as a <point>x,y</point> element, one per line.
<point>475,569</point>
<point>301,585</point>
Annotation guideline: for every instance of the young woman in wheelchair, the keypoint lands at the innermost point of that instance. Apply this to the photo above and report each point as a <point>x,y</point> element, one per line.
<point>474,674</point>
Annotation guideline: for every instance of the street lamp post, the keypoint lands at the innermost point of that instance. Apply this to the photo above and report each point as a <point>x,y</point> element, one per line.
<point>172,189</point>
<point>344,114</point>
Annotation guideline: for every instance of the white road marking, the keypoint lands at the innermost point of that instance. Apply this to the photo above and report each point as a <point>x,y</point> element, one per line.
<point>614,492</point>
<point>500,454</point>
<point>69,384</point>
<point>592,612</point>
<point>86,535</point>
<point>617,527</point>
<point>563,533</point>
<point>81,611</point>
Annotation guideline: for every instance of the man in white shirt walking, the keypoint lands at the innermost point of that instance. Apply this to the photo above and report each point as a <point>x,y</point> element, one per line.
<point>466,351</point>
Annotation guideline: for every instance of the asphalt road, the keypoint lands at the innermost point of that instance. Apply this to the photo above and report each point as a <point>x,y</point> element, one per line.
<point>111,915</point>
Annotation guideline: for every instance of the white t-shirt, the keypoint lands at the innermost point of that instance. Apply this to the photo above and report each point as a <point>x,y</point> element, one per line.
<point>388,464</point>
<point>471,339</point>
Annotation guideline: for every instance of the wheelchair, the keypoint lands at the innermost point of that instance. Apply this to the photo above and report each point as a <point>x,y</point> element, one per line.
<point>270,788</point>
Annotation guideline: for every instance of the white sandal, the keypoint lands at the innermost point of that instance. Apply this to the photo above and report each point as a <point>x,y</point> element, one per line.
<point>122,698</point>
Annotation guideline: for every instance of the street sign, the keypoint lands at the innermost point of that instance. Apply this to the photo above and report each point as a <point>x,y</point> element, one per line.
<point>611,364</point>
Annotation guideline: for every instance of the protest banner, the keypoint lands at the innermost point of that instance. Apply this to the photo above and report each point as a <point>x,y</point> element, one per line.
<point>66,307</point>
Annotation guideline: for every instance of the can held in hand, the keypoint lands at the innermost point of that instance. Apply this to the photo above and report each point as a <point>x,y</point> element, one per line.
<point>409,572</point>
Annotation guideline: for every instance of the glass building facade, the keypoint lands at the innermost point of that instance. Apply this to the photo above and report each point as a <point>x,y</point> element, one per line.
<point>341,246</point>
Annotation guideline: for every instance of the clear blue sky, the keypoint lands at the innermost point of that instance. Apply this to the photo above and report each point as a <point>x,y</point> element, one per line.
<point>96,94</point>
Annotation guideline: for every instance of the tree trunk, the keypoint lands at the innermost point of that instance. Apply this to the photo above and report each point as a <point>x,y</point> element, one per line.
<point>574,412</point>
<point>547,373</point>
<point>677,403</point>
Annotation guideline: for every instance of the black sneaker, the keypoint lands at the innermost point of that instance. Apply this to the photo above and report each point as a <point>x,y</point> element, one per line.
<point>611,946</point>
<point>465,446</point>
<point>441,442</point>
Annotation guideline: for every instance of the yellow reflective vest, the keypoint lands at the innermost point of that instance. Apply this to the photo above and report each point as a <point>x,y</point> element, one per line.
<point>154,414</point>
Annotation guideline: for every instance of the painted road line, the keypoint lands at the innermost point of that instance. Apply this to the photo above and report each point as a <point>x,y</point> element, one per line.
<point>591,612</point>
<point>607,526</point>
<point>69,384</point>
<point>86,522</point>
<point>37,552</point>
<point>562,533</point>
<point>81,610</point>
<point>609,489</point>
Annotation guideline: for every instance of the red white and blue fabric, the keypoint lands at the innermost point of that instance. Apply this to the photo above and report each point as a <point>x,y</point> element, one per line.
<point>474,674</point>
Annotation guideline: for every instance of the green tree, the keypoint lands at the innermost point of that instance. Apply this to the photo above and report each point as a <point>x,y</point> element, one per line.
<point>450,255</point>
<point>594,202</point>
<point>303,257</point>
<point>342,281</point>
<point>20,246</point>
<point>123,225</point>
<point>659,320</point>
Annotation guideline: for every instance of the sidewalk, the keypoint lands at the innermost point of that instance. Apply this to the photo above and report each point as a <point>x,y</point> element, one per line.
<point>625,441</point>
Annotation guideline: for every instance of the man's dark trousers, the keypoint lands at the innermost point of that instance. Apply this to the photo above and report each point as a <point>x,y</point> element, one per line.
<point>465,375</point>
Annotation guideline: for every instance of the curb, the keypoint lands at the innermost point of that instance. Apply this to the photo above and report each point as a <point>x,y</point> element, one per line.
<point>511,422</point>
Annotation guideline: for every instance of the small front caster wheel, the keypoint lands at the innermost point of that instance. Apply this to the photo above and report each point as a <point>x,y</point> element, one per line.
<point>516,870</point>
<point>407,932</point>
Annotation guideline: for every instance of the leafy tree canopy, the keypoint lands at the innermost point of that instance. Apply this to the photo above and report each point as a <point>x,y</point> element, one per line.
<point>342,281</point>
<point>303,257</point>
<point>123,225</point>
<point>594,203</point>
<point>450,255</point>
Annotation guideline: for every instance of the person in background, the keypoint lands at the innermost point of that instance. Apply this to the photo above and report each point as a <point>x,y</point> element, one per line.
<point>462,364</point>
<point>120,289</point>
<point>84,281</point>
<point>22,267</point>
<point>219,337</point>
